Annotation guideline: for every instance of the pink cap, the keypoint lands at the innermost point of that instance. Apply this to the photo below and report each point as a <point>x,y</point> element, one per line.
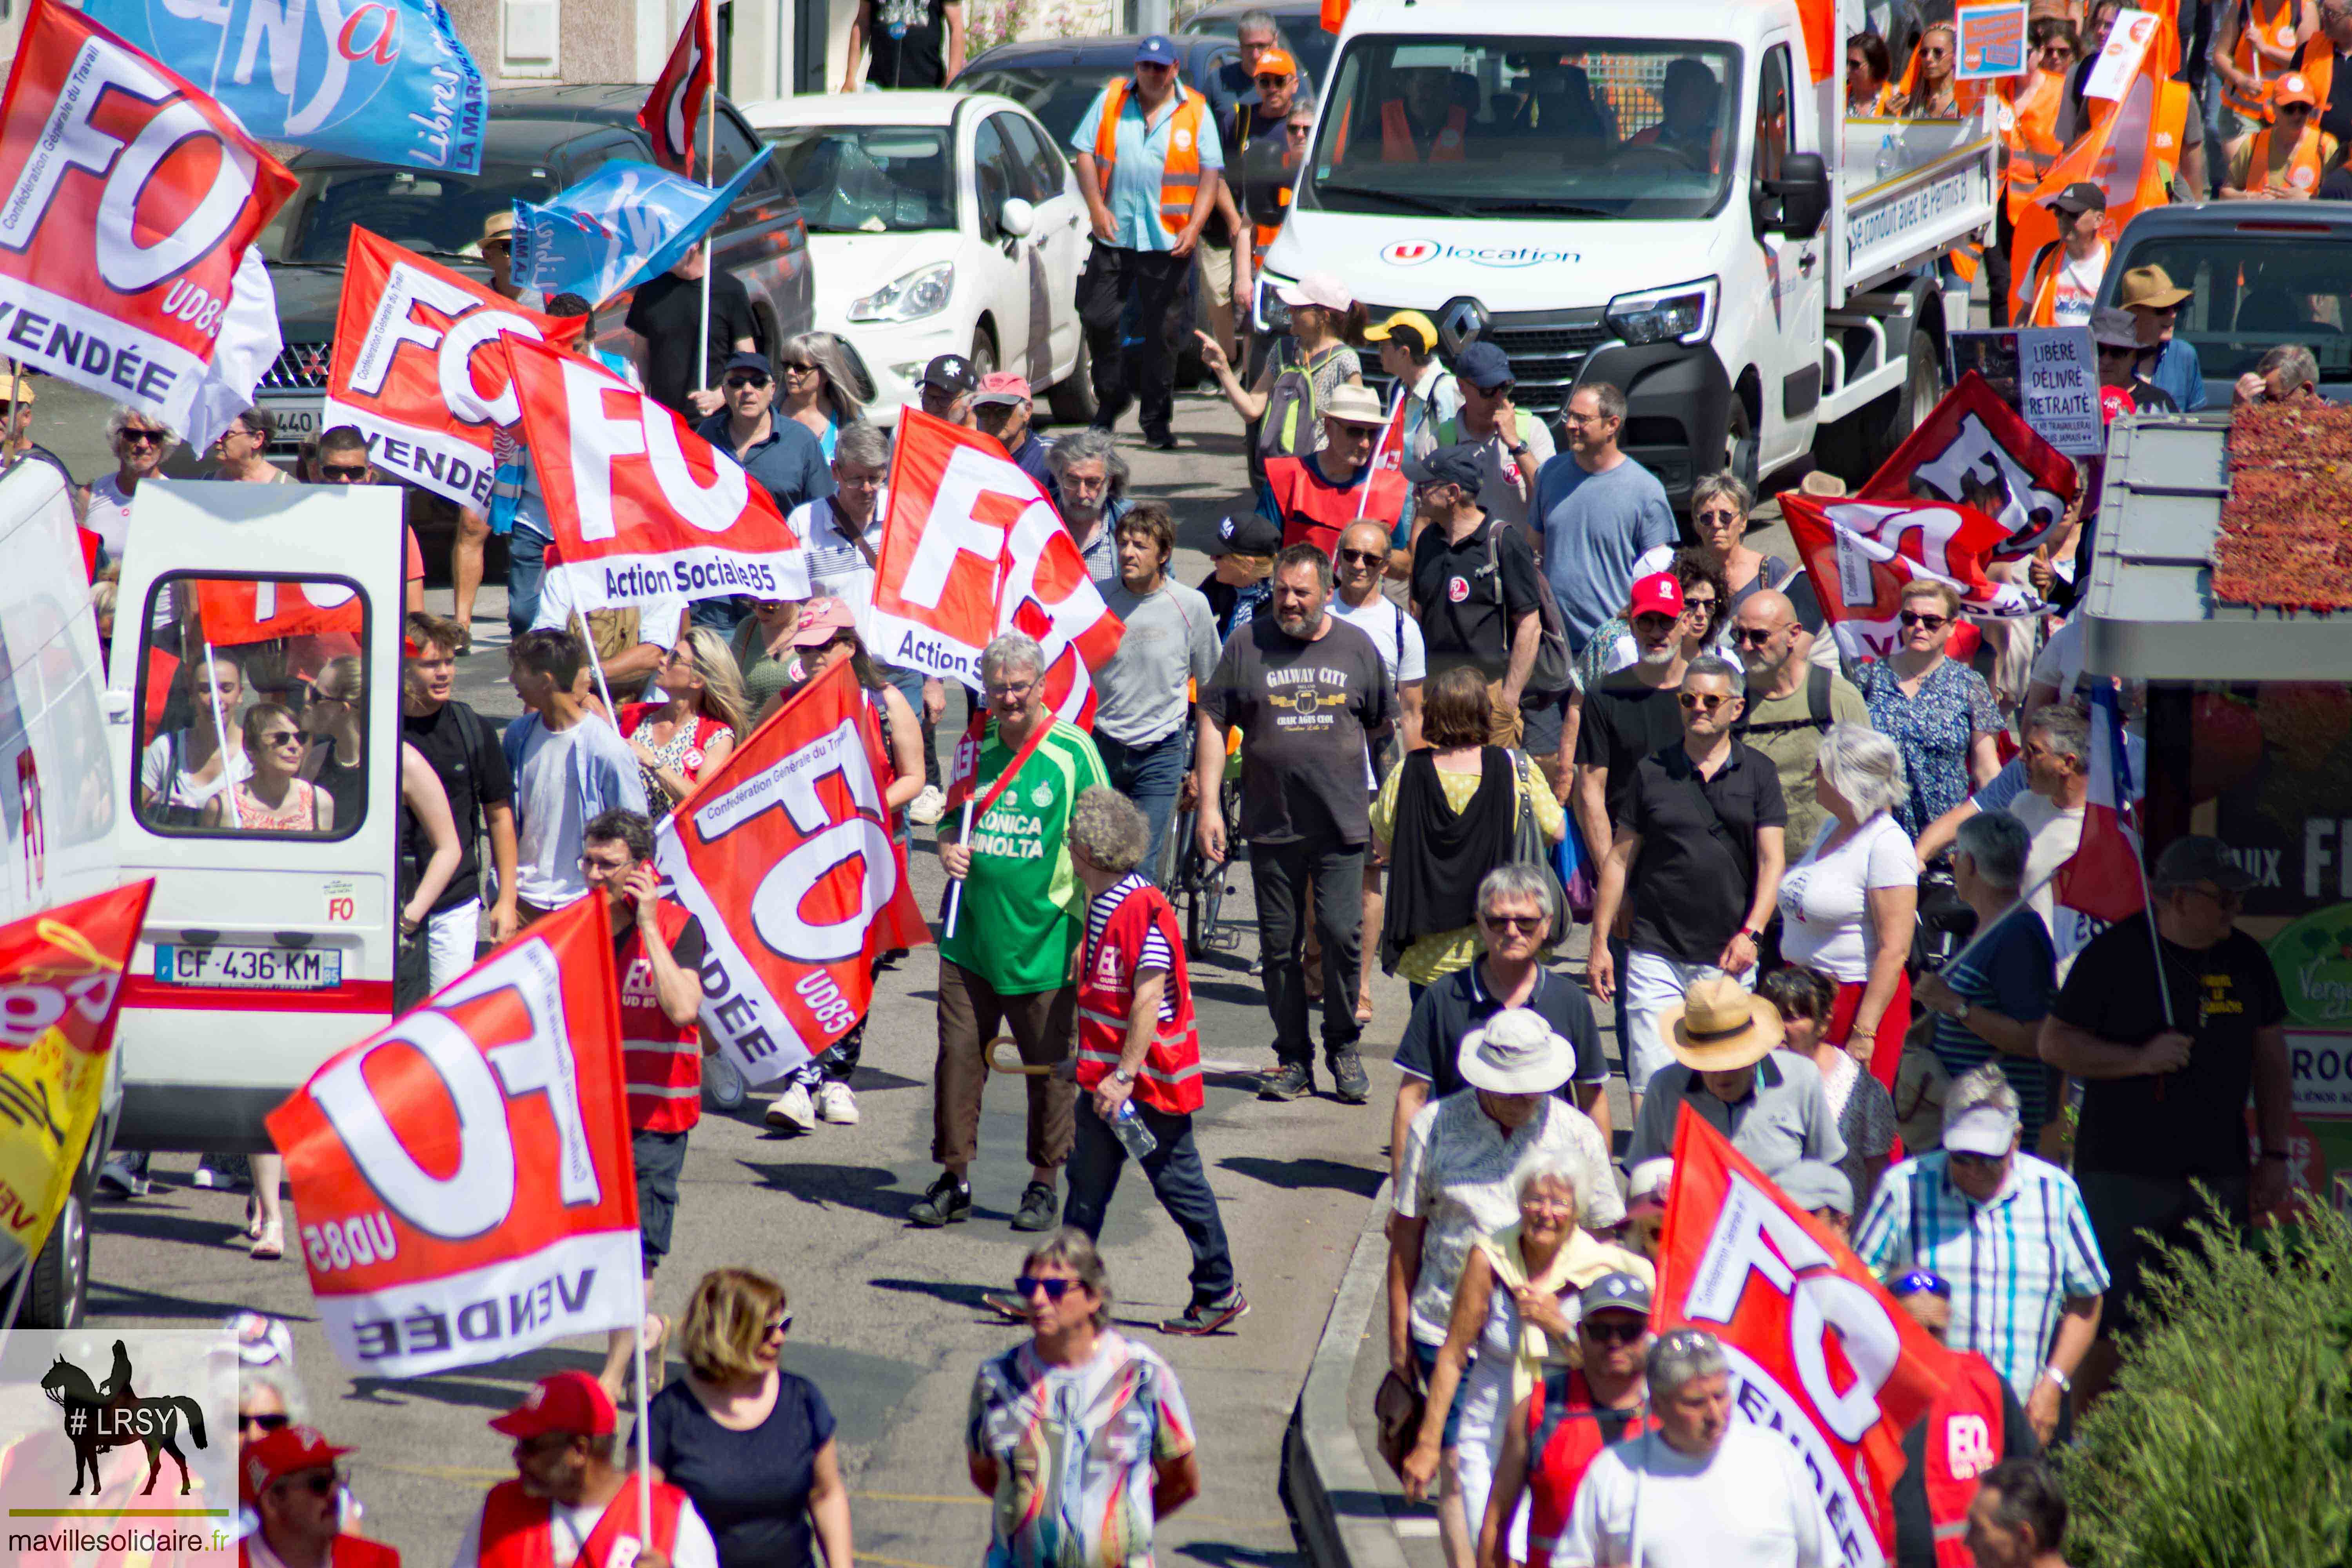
<point>1659,593</point>
<point>1317,288</point>
<point>1001,386</point>
<point>820,620</point>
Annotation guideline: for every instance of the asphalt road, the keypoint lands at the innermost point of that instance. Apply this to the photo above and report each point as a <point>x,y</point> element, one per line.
<point>888,1320</point>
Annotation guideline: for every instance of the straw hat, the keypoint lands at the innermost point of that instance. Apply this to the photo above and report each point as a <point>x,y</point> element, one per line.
<point>1718,1026</point>
<point>1820,482</point>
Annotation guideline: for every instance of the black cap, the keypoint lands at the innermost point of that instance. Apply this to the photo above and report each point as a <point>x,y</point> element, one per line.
<point>2199,858</point>
<point>1246,534</point>
<point>950,373</point>
<point>1618,1293</point>
<point>1460,464</point>
<point>2081,196</point>
<point>747,360</point>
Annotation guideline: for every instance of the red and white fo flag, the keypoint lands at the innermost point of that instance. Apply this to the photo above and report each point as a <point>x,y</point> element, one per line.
<point>1975,448</point>
<point>642,506</point>
<point>464,1178</point>
<point>1820,1354</point>
<point>418,368</point>
<point>1859,554</point>
<point>785,855</point>
<point>132,201</point>
<point>973,548</point>
<point>681,94</point>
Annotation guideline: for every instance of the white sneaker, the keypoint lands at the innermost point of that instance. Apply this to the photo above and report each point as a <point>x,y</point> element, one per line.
<point>791,1112</point>
<point>835,1102</point>
<point>928,807</point>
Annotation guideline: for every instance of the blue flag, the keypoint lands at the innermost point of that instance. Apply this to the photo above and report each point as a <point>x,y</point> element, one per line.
<point>622,225</point>
<point>386,80</point>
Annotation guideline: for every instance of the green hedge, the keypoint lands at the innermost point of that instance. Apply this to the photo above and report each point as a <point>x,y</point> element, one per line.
<point>2227,1439</point>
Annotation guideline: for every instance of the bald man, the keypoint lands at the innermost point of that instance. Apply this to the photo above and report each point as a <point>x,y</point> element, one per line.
<point>1790,701</point>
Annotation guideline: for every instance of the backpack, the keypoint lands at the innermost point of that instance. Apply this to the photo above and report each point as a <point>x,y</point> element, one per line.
<point>1286,428</point>
<point>1551,671</point>
<point>1817,717</point>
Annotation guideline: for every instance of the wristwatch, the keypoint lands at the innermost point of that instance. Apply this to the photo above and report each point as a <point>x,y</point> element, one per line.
<point>1120,1075</point>
<point>2065,1385</point>
<point>1520,450</point>
<point>1962,1016</point>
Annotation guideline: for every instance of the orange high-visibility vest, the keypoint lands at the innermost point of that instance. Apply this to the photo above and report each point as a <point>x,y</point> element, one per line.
<point>1180,177</point>
<point>2303,165</point>
<point>1396,136</point>
<point>2275,25</point>
<point>2032,137</point>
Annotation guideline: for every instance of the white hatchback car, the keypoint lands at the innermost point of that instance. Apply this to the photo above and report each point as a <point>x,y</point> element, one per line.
<point>939,223</point>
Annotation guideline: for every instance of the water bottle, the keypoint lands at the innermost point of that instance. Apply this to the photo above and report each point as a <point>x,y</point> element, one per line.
<point>1133,1135</point>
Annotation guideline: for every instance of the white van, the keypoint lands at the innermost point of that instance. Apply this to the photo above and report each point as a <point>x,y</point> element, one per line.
<point>271,939</point>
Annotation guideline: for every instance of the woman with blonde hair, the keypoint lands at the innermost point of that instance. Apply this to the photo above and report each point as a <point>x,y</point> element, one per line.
<point>1935,90</point>
<point>813,387</point>
<point>680,741</point>
<point>751,1443</point>
<point>273,797</point>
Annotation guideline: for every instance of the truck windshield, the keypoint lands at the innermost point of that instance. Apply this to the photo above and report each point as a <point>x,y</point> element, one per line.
<point>439,214</point>
<point>1514,127</point>
<point>2251,292</point>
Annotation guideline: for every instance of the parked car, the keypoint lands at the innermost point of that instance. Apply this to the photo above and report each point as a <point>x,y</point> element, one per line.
<point>939,222</point>
<point>1300,23</point>
<point>539,141</point>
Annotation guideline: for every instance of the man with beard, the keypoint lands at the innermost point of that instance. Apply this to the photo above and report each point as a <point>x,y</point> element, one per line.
<point>1090,480</point>
<point>1307,688</point>
<point>1791,702</point>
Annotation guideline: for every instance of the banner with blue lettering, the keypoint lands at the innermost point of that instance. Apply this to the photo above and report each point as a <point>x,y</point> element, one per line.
<point>386,80</point>
<point>624,224</point>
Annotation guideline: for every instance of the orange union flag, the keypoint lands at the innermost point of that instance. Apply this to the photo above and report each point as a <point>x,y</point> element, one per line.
<point>785,855</point>
<point>464,1178</point>
<point>1820,1354</point>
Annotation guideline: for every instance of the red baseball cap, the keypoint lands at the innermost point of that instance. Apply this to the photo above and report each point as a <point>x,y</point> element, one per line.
<point>1001,386</point>
<point>820,619</point>
<point>288,1451</point>
<point>565,1402</point>
<point>1659,593</point>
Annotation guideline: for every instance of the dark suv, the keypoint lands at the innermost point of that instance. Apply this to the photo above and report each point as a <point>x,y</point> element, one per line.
<point>540,141</point>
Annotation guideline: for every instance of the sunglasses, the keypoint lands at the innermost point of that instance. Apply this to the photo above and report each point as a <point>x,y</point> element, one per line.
<point>1980,1162</point>
<point>782,1325</point>
<point>1529,923</point>
<point>1933,623</point>
<point>318,1483</point>
<point>2109,350</point>
<point>1619,1333</point>
<point>1726,517</point>
<point>1695,700</point>
<point>134,437</point>
<point>1702,608</point>
<point>287,737</point>
<point>2294,109</point>
<point>344,473</point>
<point>798,367</point>
<point>1754,636</point>
<point>270,1422</point>
<point>490,245</point>
<point>1270,79</point>
<point>1027,1285</point>
<point>746,383</point>
<point>1363,557</point>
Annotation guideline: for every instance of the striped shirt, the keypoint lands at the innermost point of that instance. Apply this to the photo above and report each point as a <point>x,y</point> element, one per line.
<point>2012,1262</point>
<point>1155,954</point>
<point>836,565</point>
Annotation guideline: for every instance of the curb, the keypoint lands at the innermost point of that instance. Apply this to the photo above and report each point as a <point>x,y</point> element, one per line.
<point>1343,1507</point>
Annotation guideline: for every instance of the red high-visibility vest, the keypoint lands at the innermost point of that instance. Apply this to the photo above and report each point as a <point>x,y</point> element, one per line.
<point>517,1531</point>
<point>1563,1440</point>
<point>1170,1079</point>
<point>1967,1431</point>
<point>661,1062</point>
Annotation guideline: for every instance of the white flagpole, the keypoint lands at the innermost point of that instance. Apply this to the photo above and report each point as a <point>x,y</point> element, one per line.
<point>588,635</point>
<point>645,1443</point>
<point>1380,446</point>
<point>955,886</point>
<point>220,737</point>
<point>710,170</point>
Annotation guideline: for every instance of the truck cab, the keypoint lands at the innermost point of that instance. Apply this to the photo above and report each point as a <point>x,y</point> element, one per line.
<point>1663,199</point>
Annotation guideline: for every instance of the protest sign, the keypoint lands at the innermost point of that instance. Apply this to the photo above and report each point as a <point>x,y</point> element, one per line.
<point>1992,41</point>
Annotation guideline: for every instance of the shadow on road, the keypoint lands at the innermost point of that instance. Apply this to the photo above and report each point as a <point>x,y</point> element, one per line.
<point>1295,1174</point>
<point>940,1291</point>
<point>872,1188</point>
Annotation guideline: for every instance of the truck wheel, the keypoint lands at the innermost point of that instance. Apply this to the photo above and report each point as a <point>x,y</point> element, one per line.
<point>1071,400</point>
<point>1923,388</point>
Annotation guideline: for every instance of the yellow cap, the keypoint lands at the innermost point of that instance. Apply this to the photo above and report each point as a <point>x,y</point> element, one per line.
<point>1427,329</point>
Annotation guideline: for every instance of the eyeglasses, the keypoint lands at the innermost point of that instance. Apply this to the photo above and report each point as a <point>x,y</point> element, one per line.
<point>1701,609</point>
<point>2109,350</point>
<point>1027,1285</point>
<point>1023,688</point>
<point>1977,1162</point>
<point>1933,623</point>
<point>1363,557</point>
<point>1528,923</point>
<point>746,383</point>
<point>1754,636</point>
<point>1655,622</point>
<point>287,737</point>
<point>1613,1334</point>
<point>1270,79</point>
<point>590,863</point>
<point>2229,901</point>
<point>1695,700</point>
<point>1725,516</point>
<point>1297,133</point>
<point>318,1483</point>
<point>269,1422</point>
<point>490,245</point>
<point>2294,109</point>
<point>134,437</point>
<point>798,367</point>
<point>343,473</point>
<point>777,1326</point>
<point>858,481</point>
<point>1920,1282</point>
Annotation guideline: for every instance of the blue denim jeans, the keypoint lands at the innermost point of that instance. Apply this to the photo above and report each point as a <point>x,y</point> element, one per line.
<point>1150,775</point>
<point>1177,1179</point>
<point>526,570</point>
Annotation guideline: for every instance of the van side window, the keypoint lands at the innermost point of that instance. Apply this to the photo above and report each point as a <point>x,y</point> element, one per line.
<point>253,706</point>
<point>1773,114</point>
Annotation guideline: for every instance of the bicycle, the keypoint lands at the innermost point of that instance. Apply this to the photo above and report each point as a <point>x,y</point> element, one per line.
<point>1197,882</point>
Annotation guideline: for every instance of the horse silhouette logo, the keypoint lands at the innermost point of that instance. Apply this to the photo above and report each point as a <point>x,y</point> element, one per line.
<point>111,1415</point>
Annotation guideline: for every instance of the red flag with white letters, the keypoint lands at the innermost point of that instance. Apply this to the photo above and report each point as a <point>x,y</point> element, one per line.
<point>786,855</point>
<point>1819,1352</point>
<point>642,506</point>
<point>973,548</point>
<point>1974,447</point>
<point>681,94</point>
<point>463,1178</point>
<point>132,203</point>
<point>417,366</point>
<point>1859,554</point>
<point>234,611</point>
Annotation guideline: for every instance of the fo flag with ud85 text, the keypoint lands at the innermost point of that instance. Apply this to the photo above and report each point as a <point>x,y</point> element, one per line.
<point>785,855</point>
<point>418,369</point>
<point>1820,1354</point>
<point>131,207</point>
<point>61,976</point>
<point>463,1177</point>
<point>973,548</point>
<point>643,507</point>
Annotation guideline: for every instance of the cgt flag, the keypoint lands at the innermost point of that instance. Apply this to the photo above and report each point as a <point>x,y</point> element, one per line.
<point>1859,554</point>
<point>132,201</point>
<point>62,973</point>
<point>681,94</point>
<point>785,855</point>
<point>418,369</point>
<point>642,506</point>
<point>1820,1354</point>
<point>973,548</point>
<point>1973,448</point>
<point>463,1177</point>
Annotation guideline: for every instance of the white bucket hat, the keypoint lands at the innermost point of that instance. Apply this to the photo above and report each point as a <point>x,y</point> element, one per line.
<point>1516,1052</point>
